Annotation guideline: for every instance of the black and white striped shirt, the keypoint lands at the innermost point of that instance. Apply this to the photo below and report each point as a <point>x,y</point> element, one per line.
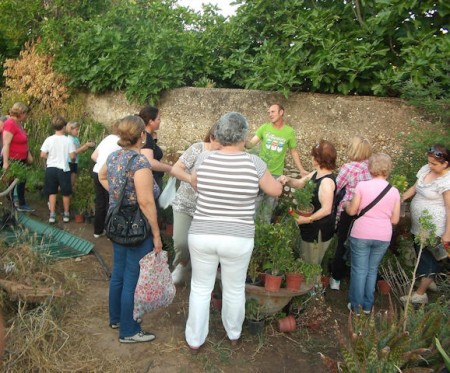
<point>227,186</point>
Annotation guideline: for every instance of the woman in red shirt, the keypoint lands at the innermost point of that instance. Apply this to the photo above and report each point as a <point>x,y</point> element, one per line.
<point>15,147</point>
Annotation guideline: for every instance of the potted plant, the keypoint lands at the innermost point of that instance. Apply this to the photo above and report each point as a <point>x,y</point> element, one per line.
<point>310,271</point>
<point>280,255</point>
<point>255,318</point>
<point>303,197</point>
<point>82,200</point>
<point>294,276</point>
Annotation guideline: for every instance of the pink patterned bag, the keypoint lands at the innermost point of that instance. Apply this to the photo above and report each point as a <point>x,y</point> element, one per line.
<point>155,288</point>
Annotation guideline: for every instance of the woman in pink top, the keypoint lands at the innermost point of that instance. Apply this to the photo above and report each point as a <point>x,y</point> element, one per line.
<point>15,146</point>
<point>371,233</point>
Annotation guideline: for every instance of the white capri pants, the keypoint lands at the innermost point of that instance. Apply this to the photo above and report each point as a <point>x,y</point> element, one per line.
<point>233,254</point>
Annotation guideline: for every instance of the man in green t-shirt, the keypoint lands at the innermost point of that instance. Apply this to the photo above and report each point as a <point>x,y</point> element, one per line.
<point>276,139</point>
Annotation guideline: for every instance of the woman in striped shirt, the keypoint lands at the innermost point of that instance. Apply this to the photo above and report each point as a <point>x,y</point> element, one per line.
<point>222,231</point>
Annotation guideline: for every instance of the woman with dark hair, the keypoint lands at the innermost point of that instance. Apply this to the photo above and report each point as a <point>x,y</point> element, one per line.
<point>184,203</point>
<point>152,119</point>
<point>222,230</point>
<point>317,230</point>
<point>136,181</point>
<point>371,232</point>
<point>15,147</point>
<point>350,174</point>
<point>431,192</point>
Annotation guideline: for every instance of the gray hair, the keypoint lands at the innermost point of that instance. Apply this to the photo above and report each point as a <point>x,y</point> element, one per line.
<point>231,129</point>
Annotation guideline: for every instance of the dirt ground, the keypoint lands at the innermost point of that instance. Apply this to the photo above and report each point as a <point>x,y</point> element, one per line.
<point>272,352</point>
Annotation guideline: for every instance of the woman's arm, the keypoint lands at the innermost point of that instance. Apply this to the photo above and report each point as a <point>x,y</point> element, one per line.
<point>351,207</point>
<point>179,171</point>
<point>269,185</point>
<point>143,182</point>
<point>409,193</point>
<point>326,196</point>
<point>156,165</point>
<point>396,213</point>
<point>295,183</point>
<point>103,177</point>
<point>7,138</point>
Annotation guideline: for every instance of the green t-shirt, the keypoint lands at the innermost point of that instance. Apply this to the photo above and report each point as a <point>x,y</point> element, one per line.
<point>274,145</point>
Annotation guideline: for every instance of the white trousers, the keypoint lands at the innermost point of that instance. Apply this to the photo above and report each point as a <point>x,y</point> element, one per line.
<point>233,254</point>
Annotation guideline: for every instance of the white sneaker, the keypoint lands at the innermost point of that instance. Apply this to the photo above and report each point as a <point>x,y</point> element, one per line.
<point>180,273</point>
<point>66,217</point>
<point>416,298</point>
<point>138,337</point>
<point>99,235</point>
<point>52,218</point>
<point>334,284</point>
<point>433,287</point>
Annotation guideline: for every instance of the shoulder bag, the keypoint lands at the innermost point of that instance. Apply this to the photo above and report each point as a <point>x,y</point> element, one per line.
<point>126,224</point>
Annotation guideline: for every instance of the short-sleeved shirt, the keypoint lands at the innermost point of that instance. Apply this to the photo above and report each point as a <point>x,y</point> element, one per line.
<point>375,224</point>
<point>157,154</point>
<point>274,145</point>
<point>186,197</point>
<point>350,174</point>
<point>58,148</point>
<point>116,165</point>
<point>18,148</point>
<point>430,196</point>
<point>104,149</point>
<point>76,142</point>
<point>227,186</point>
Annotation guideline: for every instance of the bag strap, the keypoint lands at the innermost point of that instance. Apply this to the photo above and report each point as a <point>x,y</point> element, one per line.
<point>122,191</point>
<point>375,201</point>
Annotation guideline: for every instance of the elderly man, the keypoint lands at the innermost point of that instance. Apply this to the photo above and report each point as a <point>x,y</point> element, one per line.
<point>277,137</point>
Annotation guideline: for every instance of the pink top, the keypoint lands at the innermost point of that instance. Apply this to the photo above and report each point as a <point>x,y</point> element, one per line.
<point>18,148</point>
<point>375,224</point>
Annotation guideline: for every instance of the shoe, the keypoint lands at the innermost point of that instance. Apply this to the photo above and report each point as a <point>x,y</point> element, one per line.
<point>25,208</point>
<point>349,306</point>
<point>114,325</point>
<point>138,337</point>
<point>234,342</point>
<point>416,298</point>
<point>16,203</point>
<point>99,235</point>
<point>334,284</point>
<point>180,273</point>
<point>66,217</point>
<point>52,218</point>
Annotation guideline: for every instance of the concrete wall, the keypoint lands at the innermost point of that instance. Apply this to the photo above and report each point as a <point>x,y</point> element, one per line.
<point>187,114</point>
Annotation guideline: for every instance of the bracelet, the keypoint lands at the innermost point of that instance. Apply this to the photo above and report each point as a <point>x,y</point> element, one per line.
<point>311,219</point>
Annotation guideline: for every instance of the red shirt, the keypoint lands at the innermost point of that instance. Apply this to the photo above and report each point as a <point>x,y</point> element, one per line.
<point>18,148</point>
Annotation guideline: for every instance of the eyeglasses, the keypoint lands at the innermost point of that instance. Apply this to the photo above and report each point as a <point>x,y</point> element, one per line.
<point>436,153</point>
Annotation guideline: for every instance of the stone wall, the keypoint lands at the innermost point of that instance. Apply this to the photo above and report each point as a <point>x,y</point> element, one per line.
<point>187,114</point>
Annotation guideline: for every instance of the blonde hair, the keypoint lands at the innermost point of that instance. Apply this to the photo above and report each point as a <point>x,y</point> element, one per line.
<point>72,125</point>
<point>129,130</point>
<point>360,149</point>
<point>380,164</point>
<point>18,108</point>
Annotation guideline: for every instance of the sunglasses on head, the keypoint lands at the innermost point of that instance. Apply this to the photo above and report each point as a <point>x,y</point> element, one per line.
<point>436,153</point>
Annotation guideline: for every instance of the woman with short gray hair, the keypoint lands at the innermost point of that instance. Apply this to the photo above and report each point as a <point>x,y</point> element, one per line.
<point>222,231</point>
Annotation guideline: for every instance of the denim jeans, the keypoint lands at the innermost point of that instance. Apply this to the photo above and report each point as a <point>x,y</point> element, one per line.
<point>123,282</point>
<point>366,257</point>
<point>233,254</point>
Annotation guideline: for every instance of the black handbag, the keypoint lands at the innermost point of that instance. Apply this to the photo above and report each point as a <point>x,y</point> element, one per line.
<point>126,224</point>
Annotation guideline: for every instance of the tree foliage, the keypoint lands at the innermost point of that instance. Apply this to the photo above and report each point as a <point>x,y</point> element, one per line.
<point>378,47</point>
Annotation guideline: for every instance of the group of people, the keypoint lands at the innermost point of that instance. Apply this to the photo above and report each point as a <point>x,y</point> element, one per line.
<point>223,187</point>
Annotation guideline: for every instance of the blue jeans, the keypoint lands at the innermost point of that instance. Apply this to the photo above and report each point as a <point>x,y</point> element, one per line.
<point>123,282</point>
<point>366,257</point>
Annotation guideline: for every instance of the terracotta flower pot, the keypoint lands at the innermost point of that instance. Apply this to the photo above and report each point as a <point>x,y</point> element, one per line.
<point>272,283</point>
<point>294,281</point>
<point>325,280</point>
<point>383,287</point>
<point>79,218</point>
<point>287,324</point>
<point>307,211</point>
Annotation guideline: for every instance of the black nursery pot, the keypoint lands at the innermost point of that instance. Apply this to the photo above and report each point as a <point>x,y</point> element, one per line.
<point>255,327</point>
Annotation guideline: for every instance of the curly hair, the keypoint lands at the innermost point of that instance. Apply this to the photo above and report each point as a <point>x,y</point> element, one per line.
<point>232,128</point>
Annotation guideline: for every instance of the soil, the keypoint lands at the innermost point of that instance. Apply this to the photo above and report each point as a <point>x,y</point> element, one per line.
<point>272,352</point>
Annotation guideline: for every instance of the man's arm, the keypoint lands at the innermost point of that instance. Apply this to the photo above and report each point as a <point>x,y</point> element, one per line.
<point>251,143</point>
<point>298,163</point>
